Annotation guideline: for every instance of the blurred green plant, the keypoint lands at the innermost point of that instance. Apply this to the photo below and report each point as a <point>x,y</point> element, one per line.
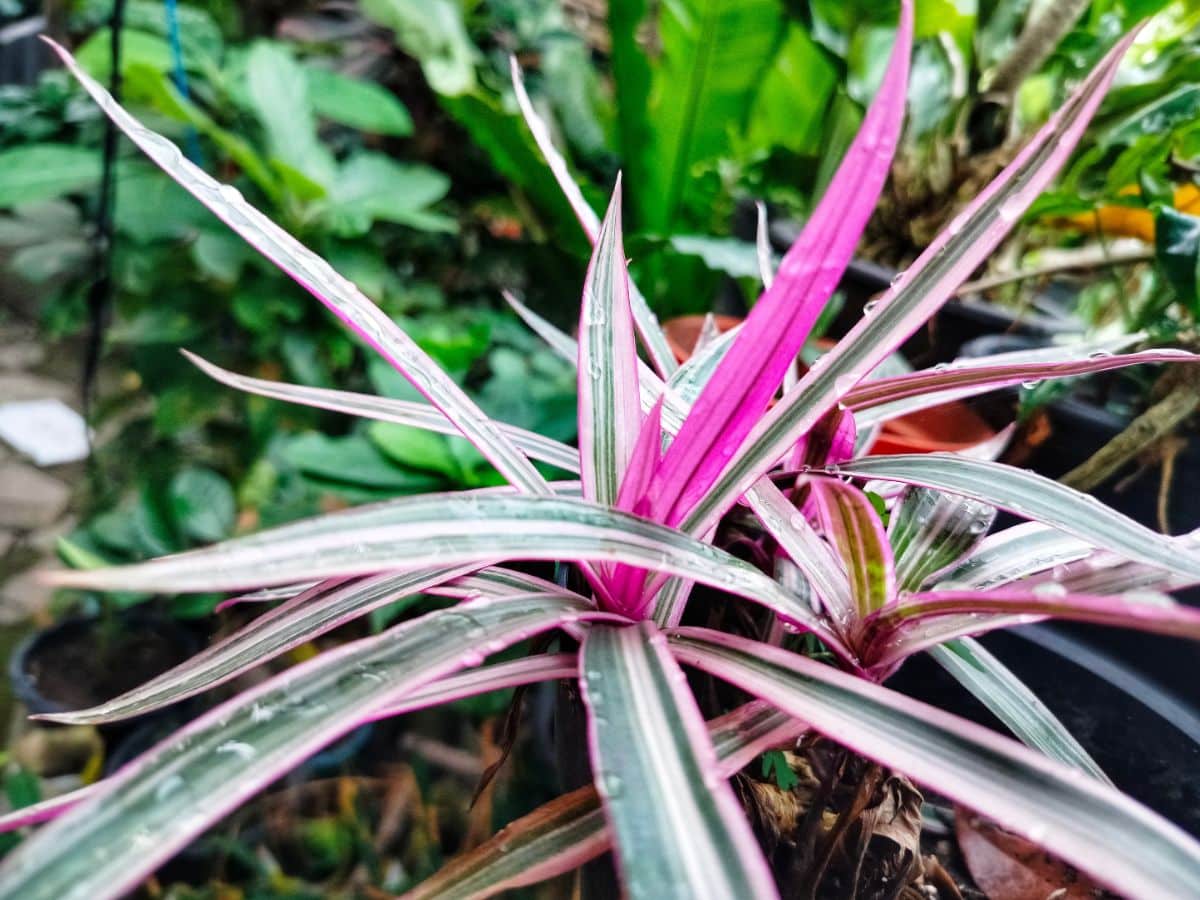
<point>316,148</point>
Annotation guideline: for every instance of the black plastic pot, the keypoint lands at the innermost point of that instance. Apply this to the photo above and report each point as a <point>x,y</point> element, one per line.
<point>80,662</point>
<point>1145,736</point>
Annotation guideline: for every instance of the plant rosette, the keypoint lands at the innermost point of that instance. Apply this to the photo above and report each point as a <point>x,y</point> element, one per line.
<point>670,458</point>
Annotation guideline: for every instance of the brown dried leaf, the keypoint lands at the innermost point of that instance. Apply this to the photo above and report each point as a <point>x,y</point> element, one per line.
<point>1009,867</point>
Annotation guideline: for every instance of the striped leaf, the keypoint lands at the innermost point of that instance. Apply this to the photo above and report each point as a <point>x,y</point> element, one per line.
<point>1034,497</point>
<point>446,530</point>
<point>289,625</point>
<point>385,409</point>
<point>922,290</point>
<point>920,621</point>
<point>826,574</point>
<point>648,328</point>
<point>779,324</point>
<point>1012,554</point>
<point>571,830</point>
<point>850,523</point>
<point>930,530</point>
<point>340,296</point>
<point>958,381</point>
<point>157,803</point>
<point>609,410</point>
<point>678,829</point>
<point>1121,844</point>
<point>995,686</point>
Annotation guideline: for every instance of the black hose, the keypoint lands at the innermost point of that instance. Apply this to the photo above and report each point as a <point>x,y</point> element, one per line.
<point>99,298</point>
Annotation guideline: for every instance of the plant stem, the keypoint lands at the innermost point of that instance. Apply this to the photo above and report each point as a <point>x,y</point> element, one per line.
<point>1081,261</point>
<point>1152,425</point>
<point>1037,41</point>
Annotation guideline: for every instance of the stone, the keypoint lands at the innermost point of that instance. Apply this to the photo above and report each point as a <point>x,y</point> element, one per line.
<point>25,355</point>
<point>16,386</point>
<point>24,597</point>
<point>7,539</point>
<point>28,498</point>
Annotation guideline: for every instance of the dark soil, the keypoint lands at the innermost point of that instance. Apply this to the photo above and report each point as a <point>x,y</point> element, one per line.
<point>83,662</point>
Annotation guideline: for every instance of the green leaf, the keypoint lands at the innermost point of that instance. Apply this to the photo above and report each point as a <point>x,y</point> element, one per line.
<point>372,187</point>
<point>677,828</point>
<point>997,688</point>
<point>775,766</point>
<point>789,109</point>
<point>1177,252</point>
<point>278,92</point>
<point>363,105</point>
<point>157,803</point>
<point>36,172</point>
<point>431,32</point>
<point>415,448</point>
<point>202,504</point>
<point>714,56</point>
<point>352,460</point>
<point>138,48</point>
<point>728,255</point>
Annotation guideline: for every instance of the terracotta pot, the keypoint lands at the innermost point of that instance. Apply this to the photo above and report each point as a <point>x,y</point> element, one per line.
<point>952,426</point>
<point>683,332</point>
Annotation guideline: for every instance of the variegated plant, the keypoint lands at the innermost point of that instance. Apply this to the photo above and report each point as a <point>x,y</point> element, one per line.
<point>668,456</point>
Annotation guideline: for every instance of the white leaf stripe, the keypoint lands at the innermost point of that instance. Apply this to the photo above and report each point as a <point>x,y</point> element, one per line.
<point>1090,825</point>
<point>995,686</point>
<point>385,409</point>
<point>139,817</point>
<point>342,298</point>
<point>677,828</point>
<point>450,530</point>
<point>567,832</point>
<point>286,626</point>
<point>1012,554</point>
<point>609,411</point>
<point>1034,497</point>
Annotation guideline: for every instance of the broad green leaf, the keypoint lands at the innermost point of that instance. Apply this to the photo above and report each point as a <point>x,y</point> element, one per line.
<point>1034,497</point>
<point>278,92</point>
<point>415,447</point>
<point>362,105</point>
<point>332,289</point>
<point>202,504</point>
<point>1080,819</point>
<point>678,830</point>
<point>1177,252</point>
<point>353,460</point>
<point>795,93</point>
<point>33,172</point>
<point>157,803</point>
<point>713,56</point>
<point>431,32</point>
<point>729,255</point>
<point>372,187</point>
<point>995,686</point>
